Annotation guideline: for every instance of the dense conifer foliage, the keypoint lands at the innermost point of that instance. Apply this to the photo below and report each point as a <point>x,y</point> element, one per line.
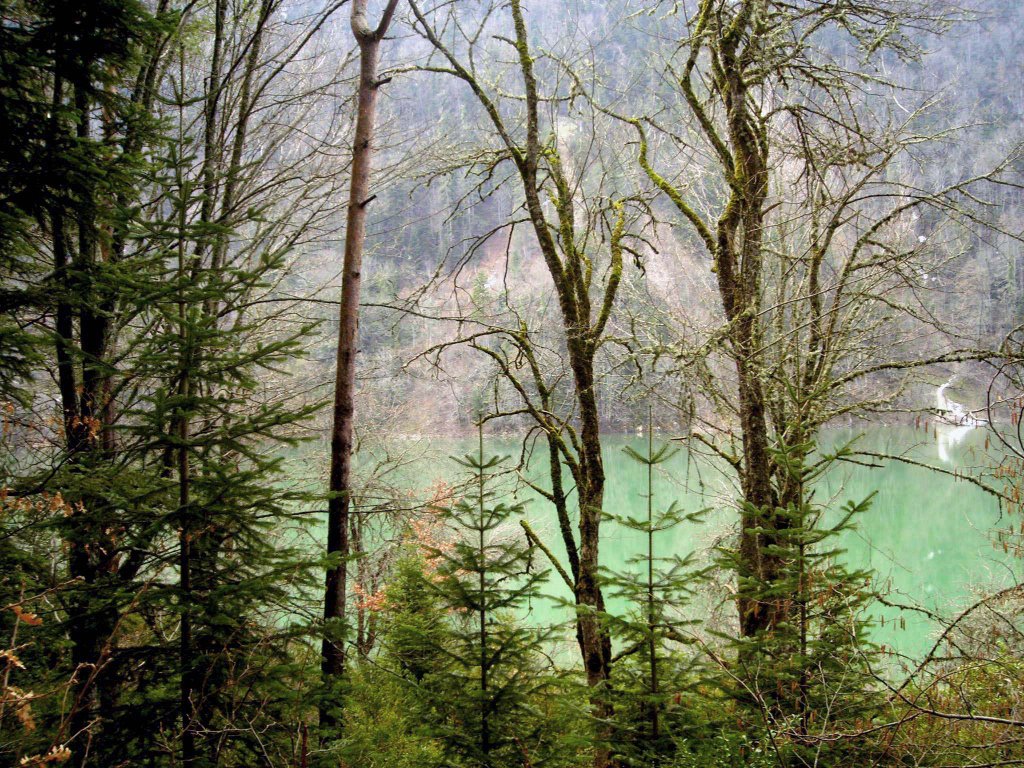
<point>489,682</point>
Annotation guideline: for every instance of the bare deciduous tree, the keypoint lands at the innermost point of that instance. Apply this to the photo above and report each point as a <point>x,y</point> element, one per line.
<point>368,38</point>
<point>565,216</point>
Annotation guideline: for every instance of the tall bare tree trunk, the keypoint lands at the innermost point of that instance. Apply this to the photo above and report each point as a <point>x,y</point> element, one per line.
<point>338,505</point>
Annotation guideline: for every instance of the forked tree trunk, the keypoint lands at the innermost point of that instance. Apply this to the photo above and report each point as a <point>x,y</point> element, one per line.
<point>340,488</point>
<point>739,260</point>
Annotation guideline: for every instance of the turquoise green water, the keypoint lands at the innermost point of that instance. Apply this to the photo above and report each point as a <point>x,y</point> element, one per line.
<point>928,535</point>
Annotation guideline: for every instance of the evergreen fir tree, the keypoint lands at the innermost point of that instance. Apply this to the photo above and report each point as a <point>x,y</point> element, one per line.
<point>395,703</point>
<point>416,627</point>
<point>812,674</point>
<point>651,669</point>
<point>71,168</point>
<point>221,434</point>
<point>489,691</point>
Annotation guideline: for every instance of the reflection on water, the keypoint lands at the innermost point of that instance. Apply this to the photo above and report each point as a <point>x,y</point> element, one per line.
<point>955,422</point>
<point>948,437</point>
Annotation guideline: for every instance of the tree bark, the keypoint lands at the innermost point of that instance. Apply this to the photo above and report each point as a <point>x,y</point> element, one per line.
<point>340,487</point>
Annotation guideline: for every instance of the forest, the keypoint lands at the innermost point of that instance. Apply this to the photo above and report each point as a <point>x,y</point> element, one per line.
<point>511,383</point>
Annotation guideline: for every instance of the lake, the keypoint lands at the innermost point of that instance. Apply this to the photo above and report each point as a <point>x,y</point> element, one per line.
<point>928,536</point>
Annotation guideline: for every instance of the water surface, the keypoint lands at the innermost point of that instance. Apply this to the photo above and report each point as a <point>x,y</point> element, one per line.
<point>928,535</point>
